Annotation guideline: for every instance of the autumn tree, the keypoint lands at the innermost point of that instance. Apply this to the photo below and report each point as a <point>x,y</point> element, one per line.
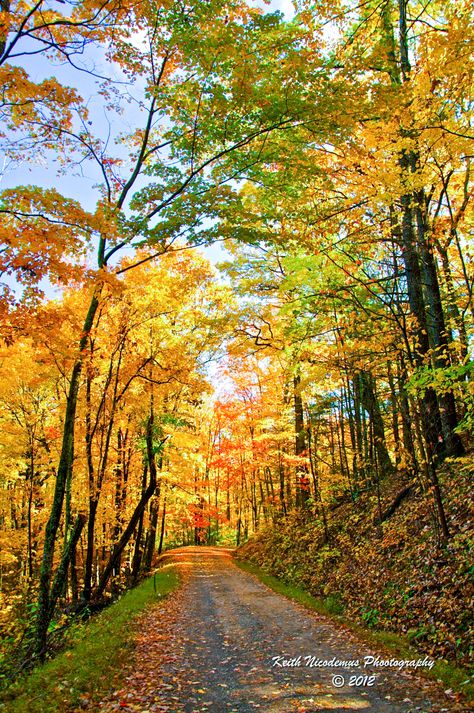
<point>355,218</point>
<point>336,144</point>
<point>194,114</point>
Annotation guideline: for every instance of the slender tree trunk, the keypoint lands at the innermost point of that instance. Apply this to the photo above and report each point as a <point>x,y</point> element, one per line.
<point>395,413</point>
<point>30,482</point>
<point>316,484</point>
<point>61,574</point>
<point>302,489</point>
<point>281,474</point>
<point>346,401</point>
<point>137,551</point>
<point>44,612</point>
<point>73,576</point>
<point>89,563</point>
<point>371,405</point>
<point>407,423</point>
<point>359,452</point>
<point>162,528</point>
<point>128,532</point>
<point>151,535</point>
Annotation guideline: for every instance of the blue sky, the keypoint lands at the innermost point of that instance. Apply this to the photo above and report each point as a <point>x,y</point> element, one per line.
<point>80,183</point>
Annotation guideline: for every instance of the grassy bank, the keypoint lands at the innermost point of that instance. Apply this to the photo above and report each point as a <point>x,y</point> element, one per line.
<point>395,645</point>
<point>92,662</point>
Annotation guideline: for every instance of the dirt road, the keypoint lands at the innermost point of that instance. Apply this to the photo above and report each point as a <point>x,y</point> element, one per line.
<point>225,643</point>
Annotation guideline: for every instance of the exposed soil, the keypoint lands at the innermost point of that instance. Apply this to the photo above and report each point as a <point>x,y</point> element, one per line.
<point>212,646</point>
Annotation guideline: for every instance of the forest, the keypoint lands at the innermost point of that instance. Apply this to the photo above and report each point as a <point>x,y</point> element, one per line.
<point>237,304</point>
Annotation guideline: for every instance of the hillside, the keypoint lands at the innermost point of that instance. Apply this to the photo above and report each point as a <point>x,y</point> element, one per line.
<point>390,577</point>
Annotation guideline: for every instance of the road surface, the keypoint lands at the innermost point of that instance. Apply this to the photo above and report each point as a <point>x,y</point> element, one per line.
<point>225,643</point>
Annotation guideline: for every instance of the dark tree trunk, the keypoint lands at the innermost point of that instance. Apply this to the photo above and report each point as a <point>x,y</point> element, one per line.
<point>437,327</point>
<point>29,520</point>
<point>281,474</point>
<point>302,481</point>
<point>395,413</point>
<point>371,405</point>
<point>128,532</point>
<point>44,611</point>
<point>407,421</point>
<point>139,549</point>
<point>61,573</point>
<point>73,576</point>
<point>360,466</point>
<point>89,563</point>
<point>316,485</point>
<point>350,418</point>
<point>421,271</point>
<point>162,528</point>
<point>151,535</point>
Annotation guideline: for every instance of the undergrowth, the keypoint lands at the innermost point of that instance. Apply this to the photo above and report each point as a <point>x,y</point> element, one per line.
<point>391,579</point>
<point>96,652</point>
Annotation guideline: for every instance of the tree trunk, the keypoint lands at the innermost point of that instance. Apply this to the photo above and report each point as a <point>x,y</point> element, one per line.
<point>162,528</point>
<point>89,563</point>
<point>128,532</point>
<point>302,482</point>
<point>395,413</point>
<point>360,465</point>
<point>371,405</point>
<point>61,573</point>
<point>138,551</point>
<point>407,421</point>
<point>421,272</point>
<point>44,612</point>
<point>438,335</point>
<point>151,535</point>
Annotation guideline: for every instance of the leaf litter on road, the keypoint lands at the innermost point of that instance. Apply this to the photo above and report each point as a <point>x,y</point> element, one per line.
<point>210,646</point>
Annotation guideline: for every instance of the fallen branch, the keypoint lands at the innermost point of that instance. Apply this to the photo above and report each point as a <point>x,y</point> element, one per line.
<point>388,512</point>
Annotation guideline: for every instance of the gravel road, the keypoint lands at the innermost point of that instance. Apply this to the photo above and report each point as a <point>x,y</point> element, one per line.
<point>225,643</point>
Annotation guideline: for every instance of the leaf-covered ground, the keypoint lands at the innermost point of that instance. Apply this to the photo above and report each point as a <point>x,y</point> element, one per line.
<point>392,577</point>
<point>212,647</point>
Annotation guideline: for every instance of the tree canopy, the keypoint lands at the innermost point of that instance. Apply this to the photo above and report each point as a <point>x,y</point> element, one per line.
<point>149,398</point>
